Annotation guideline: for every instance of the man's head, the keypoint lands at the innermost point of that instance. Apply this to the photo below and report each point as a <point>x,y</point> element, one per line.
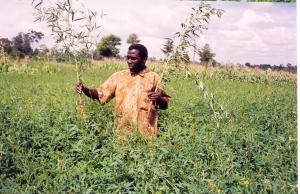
<point>136,57</point>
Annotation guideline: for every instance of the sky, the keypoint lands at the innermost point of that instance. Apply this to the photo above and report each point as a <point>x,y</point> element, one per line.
<point>259,33</point>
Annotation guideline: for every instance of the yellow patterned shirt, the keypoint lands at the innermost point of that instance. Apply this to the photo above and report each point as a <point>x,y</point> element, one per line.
<point>132,105</point>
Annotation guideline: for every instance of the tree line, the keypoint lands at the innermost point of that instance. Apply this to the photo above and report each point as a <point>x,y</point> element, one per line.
<point>22,45</point>
<point>205,54</point>
<point>288,67</point>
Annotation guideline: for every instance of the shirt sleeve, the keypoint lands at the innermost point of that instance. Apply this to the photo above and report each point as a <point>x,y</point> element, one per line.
<point>106,91</point>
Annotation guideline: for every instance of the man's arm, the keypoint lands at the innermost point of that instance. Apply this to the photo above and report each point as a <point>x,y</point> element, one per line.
<point>92,93</point>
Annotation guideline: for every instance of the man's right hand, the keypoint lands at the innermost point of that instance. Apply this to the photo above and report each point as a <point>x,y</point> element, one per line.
<point>92,93</point>
<point>78,88</point>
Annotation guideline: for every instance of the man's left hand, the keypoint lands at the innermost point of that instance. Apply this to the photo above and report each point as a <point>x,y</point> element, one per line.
<point>154,96</point>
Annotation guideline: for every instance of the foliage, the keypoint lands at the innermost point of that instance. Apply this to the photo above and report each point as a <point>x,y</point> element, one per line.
<point>206,56</point>
<point>6,44</point>
<point>65,56</point>
<point>21,45</point>
<point>249,146</point>
<point>251,77</point>
<point>168,46</point>
<point>47,147</point>
<point>107,47</point>
<point>176,62</point>
<point>133,39</point>
<point>289,67</point>
<point>73,26</point>
<point>3,53</point>
<point>195,24</point>
<point>35,36</point>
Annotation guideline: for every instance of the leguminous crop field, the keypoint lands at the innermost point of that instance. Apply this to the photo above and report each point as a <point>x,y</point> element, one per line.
<point>48,146</point>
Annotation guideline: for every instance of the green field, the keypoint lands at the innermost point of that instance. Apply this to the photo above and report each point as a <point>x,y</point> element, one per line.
<point>47,146</point>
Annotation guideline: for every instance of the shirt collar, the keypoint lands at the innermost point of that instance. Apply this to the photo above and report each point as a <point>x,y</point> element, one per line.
<point>140,73</point>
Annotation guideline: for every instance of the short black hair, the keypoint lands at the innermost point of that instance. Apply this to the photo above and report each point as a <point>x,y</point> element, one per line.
<point>142,50</point>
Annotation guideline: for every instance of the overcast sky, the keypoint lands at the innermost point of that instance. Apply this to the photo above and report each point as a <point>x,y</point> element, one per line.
<point>258,33</point>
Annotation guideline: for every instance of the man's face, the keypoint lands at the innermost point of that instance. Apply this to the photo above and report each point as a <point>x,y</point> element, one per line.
<point>134,60</point>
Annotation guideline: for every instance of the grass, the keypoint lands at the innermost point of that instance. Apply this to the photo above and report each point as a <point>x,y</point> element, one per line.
<point>47,146</point>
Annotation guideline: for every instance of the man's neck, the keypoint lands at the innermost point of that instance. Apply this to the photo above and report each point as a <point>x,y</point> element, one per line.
<point>137,70</point>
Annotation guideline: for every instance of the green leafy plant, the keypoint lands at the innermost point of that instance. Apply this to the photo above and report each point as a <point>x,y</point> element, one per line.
<point>177,60</point>
<point>74,28</point>
<point>45,146</point>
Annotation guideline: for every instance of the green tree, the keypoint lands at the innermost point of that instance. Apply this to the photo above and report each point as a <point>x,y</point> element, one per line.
<point>248,64</point>
<point>35,36</point>
<point>5,43</point>
<point>21,44</point>
<point>168,47</point>
<point>133,39</point>
<point>183,57</point>
<point>107,47</point>
<point>206,56</point>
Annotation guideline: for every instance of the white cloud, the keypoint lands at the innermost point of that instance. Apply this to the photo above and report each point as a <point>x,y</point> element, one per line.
<point>278,36</point>
<point>251,20</point>
<point>259,34</point>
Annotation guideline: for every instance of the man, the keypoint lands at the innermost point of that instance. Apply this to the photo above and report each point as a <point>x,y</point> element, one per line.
<point>138,94</point>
